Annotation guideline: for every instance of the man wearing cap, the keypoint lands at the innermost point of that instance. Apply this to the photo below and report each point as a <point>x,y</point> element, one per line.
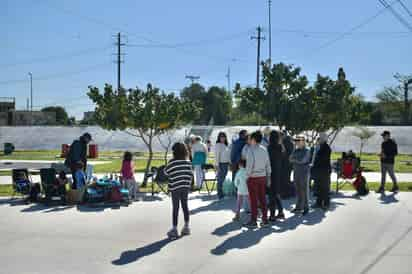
<point>389,150</point>
<point>78,153</point>
<point>301,159</point>
<point>321,170</point>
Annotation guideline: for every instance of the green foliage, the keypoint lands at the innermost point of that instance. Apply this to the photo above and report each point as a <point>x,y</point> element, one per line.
<point>214,104</point>
<point>141,113</point>
<point>288,100</point>
<point>62,118</point>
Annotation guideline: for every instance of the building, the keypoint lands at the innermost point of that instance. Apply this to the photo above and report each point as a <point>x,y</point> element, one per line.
<point>88,118</point>
<point>35,118</point>
<point>7,105</point>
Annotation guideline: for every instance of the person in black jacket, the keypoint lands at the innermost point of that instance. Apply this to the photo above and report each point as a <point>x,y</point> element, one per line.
<point>321,170</point>
<point>389,150</point>
<point>78,153</point>
<point>287,189</point>
<point>276,151</point>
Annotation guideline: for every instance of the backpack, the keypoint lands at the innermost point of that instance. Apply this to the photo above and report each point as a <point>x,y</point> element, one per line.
<point>362,187</point>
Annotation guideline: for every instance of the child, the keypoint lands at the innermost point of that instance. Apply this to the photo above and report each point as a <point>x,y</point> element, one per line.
<point>199,154</point>
<point>179,171</point>
<point>80,183</point>
<point>241,186</point>
<point>128,175</point>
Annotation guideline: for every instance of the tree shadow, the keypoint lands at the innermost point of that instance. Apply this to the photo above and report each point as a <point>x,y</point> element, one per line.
<point>131,256</point>
<point>388,199</point>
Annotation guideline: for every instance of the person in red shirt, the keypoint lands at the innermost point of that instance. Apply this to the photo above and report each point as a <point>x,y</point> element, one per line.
<point>127,173</point>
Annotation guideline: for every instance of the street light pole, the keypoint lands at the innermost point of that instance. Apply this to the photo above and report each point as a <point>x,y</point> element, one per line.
<point>31,98</point>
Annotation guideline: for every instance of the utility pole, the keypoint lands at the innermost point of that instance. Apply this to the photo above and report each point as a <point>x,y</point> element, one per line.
<point>258,38</point>
<point>270,32</point>
<point>406,80</point>
<point>119,60</point>
<point>228,80</point>
<point>192,78</point>
<point>31,98</point>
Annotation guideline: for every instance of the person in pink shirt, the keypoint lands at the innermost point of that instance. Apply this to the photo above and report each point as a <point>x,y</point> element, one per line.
<point>127,173</point>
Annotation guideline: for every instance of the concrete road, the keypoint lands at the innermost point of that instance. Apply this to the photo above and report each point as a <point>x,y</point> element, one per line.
<point>367,235</point>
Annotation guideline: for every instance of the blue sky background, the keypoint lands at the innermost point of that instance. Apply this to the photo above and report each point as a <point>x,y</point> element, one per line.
<point>68,45</point>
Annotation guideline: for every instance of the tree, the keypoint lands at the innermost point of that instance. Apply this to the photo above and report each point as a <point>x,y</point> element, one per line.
<point>217,106</point>
<point>196,93</point>
<point>288,101</point>
<point>143,114</point>
<point>62,118</point>
<point>391,99</point>
<point>215,103</point>
<point>166,144</point>
<point>364,134</point>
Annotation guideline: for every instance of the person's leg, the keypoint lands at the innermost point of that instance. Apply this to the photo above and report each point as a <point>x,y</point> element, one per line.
<point>175,207</point>
<point>198,174</point>
<point>392,175</point>
<point>320,199</point>
<point>184,193</point>
<point>262,198</point>
<point>220,179</point>
<point>253,199</point>
<point>383,176</point>
<point>235,168</point>
<point>327,189</point>
<point>239,204</point>
<point>299,192</point>
<point>306,192</point>
<point>272,200</point>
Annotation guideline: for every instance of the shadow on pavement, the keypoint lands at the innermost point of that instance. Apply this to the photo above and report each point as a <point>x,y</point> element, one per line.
<point>388,199</point>
<point>131,256</point>
<point>215,206</point>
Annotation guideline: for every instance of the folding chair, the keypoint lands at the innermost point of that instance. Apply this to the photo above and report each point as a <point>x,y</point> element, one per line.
<point>48,179</point>
<point>209,168</point>
<point>159,178</point>
<point>19,175</point>
<point>347,169</point>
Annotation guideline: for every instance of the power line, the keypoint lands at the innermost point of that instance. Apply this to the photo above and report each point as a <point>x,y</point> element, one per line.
<point>56,57</point>
<point>396,14</point>
<point>56,75</point>
<point>405,8</point>
<point>350,31</point>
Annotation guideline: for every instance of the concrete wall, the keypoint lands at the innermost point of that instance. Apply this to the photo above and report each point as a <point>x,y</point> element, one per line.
<point>52,137</point>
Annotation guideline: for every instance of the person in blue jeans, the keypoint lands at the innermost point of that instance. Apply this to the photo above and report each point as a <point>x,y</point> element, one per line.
<point>222,159</point>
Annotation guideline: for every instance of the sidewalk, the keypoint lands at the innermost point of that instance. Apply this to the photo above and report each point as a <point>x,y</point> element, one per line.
<point>370,177</point>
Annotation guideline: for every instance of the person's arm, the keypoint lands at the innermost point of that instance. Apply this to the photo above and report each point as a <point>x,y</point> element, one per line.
<point>217,154</point>
<point>250,161</point>
<point>268,170</point>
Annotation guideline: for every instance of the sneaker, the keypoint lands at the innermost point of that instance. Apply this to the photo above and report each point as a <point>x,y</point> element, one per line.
<point>380,190</point>
<point>251,225</point>
<point>236,218</point>
<point>280,215</point>
<point>316,205</point>
<point>296,210</point>
<point>185,231</point>
<point>272,218</point>
<point>395,189</point>
<point>305,212</point>
<point>172,234</point>
<point>264,224</point>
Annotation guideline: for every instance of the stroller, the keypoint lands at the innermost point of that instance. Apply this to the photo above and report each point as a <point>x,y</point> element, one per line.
<point>349,168</point>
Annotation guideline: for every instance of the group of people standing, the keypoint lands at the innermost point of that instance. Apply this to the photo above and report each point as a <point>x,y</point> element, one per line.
<point>261,166</point>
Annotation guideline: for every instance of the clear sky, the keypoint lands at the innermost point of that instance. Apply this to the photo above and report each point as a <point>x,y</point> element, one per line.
<point>68,45</point>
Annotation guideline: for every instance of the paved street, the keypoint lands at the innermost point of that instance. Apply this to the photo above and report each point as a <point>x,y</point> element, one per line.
<point>367,235</point>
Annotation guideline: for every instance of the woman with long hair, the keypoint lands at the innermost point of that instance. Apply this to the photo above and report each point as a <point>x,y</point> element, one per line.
<point>222,160</point>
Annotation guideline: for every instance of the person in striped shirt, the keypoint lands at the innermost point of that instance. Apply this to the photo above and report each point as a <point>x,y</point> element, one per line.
<point>180,173</point>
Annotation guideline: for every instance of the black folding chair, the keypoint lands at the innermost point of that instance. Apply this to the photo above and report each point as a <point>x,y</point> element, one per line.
<point>209,168</point>
<point>17,175</point>
<point>159,178</point>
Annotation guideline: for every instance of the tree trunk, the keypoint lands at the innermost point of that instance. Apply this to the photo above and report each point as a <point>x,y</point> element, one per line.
<point>148,165</point>
<point>165,156</point>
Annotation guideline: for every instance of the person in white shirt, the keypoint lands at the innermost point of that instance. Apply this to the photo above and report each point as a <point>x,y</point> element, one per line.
<point>222,161</point>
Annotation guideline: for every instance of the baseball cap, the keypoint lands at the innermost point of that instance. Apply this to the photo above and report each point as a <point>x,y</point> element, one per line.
<point>385,133</point>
